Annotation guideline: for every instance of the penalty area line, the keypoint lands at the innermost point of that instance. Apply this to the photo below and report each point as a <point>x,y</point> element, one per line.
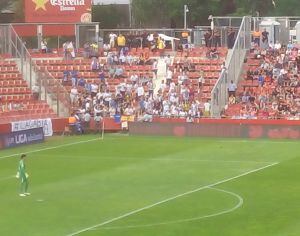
<point>170,199</point>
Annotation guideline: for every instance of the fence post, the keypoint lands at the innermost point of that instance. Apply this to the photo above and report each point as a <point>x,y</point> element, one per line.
<point>22,60</point>
<point>77,35</point>
<point>30,71</point>
<point>8,40</point>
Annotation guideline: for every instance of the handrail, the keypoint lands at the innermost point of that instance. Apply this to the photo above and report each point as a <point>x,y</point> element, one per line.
<point>229,59</point>
<point>233,64</point>
<point>29,69</point>
<point>60,89</point>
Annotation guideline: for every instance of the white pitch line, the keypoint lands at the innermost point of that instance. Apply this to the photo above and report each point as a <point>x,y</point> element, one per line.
<point>169,199</point>
<point>238,205</point>
<point>49,148</point>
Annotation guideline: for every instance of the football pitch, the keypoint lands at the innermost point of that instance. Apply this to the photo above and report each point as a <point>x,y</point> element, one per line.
<point>152,186</point>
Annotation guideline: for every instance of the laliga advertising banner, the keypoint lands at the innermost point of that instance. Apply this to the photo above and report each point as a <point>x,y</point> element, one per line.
<point>46,124</point>
<point>58,11</point>
<point>23,137</point>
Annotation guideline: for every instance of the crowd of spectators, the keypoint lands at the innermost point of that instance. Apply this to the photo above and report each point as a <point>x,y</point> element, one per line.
<point>274,90</point>
<point>134,94</point>
<point>119,91</point>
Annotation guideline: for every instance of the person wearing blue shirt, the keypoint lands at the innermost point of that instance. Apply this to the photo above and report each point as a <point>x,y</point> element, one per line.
<point>102,76</point>
<point>81,82</point>
<point>261,80</point>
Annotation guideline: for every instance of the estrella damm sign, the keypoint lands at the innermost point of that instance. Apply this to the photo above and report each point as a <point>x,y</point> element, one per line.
<point>58,11</point>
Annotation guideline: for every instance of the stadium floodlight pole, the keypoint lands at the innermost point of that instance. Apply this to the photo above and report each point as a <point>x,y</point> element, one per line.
<point>185,10</point>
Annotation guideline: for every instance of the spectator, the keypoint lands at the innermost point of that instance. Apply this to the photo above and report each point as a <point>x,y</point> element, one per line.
<point>86,50</point>
<point>169,76</point>
<point>256,37</point>
<point>118,73</point>
<point>74,96</point>
<point>186,63</point>
<point>265,39</point>
<point>98,113</point>
<point>65,79</point>
<point>154,69</point>
<point>189,119</point>
<point>201,82</point>
<point>36,91</point>
<point>207,108</point>
<point>231,100</point>
<point>87,120</point>
<point>112,40</point>
<point>231,88</point>
<point>44,47</point>
<point>81,82</point>
<point>95,66</point>
<point>121,42</point>
<point>217,38</point>
<point>208,38</point>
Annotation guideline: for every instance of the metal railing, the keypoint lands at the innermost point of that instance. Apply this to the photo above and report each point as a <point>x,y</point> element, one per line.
<point>234,62</point>
<point>196,35</point>
<point>51,90</point>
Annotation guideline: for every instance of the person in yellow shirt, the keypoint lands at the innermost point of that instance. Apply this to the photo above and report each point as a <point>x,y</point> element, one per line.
<point>160,44</point>
<point>121,41</point>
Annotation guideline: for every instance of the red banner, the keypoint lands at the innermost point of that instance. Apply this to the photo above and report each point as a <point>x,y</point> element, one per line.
<point>58,11</point>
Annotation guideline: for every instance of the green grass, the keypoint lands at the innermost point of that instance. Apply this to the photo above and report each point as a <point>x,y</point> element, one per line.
<point>82,185</point>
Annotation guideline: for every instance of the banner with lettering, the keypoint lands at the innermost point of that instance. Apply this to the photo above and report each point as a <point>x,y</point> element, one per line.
<point>46,124</point>
<point>23,137</point>
<point>58,11</point>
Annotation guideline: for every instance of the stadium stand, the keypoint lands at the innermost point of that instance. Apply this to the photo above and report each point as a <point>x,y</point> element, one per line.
<point>270,87</point>
<point>16,97</point>
<point>101,88</point>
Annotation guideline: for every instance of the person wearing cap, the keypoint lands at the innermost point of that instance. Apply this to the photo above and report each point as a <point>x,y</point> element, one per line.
<point>23,176</point>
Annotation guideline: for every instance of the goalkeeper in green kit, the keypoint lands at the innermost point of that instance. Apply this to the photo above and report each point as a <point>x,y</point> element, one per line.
<point>23,176</point>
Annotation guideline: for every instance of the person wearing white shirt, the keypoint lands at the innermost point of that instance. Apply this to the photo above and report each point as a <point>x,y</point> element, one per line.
<point>140,91</point>
<point>94,89</point>
<point>169,76</point>
<point>44,46</point>
<point>162,86</point>
<point>74,95</point>
<point>201,82</point>
<point>71,49</point>
<point>129,59</point>
<point>189,119</point>
<point>277,45</point>
<point>206,108</point>
<point>112,39</point>
<point>168,61</point>
<point>134,78</point>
